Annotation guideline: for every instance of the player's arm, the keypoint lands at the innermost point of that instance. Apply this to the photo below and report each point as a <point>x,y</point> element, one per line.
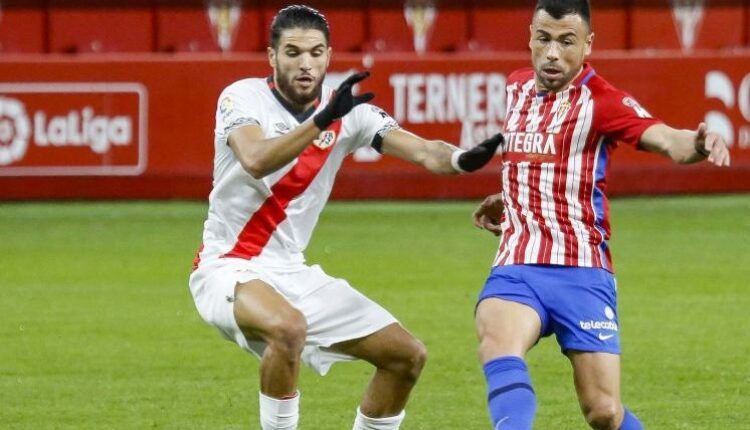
<point>686,146</point>
<point>438,156</point>
<point>260,156</point>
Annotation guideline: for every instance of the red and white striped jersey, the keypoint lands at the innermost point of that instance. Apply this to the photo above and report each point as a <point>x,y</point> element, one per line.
<point>271,220</point>
<point>555,160</point>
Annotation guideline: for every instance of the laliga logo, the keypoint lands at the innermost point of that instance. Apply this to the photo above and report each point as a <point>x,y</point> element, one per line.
<point>720,86</point>
<point>14,131</point>
<point>83,128</point>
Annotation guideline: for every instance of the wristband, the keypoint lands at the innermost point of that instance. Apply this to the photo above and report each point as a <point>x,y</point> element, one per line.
<point>323,119</point>
<point>454,160</point>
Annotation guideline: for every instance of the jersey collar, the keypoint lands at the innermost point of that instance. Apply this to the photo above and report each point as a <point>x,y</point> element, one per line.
<point>299,116</point>
<point>585,76</point>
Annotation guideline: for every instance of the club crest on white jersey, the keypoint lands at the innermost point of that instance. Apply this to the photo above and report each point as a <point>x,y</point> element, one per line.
<point>325,139</point>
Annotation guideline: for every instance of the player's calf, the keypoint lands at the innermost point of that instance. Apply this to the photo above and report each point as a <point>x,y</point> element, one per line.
<point>398,369</point>
<point>285,336</point>
<point>398,358</point>
<point>279,399</point>
<point>397,372</point>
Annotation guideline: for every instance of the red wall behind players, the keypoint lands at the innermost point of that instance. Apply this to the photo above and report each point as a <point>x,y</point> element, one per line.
<point>181,101</point>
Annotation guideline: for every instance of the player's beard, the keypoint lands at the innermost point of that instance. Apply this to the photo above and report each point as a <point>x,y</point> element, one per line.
<point>299,99</point>
<point>554,85</point>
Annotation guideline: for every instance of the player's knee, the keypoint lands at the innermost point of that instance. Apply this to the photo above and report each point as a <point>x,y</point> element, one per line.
<point>419,357</point>
<point>602,414</point>
<point>410,362</point>
<point>286,333</point>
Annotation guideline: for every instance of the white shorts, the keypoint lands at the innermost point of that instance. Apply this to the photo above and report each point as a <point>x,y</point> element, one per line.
<point>335,312</point>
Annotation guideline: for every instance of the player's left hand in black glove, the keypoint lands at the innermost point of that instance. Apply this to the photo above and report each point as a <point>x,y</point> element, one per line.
<point>342,101</point>
<point>478,156</point>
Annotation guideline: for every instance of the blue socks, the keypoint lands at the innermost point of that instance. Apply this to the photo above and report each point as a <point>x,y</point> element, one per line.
<point>630,422</point>
<point>511,399</point>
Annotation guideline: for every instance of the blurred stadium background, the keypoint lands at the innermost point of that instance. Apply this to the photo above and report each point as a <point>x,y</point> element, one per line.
<point>107,108</point>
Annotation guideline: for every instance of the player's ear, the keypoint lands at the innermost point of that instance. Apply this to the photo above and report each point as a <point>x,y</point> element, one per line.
<point>271,57</point>
<point>330,53</point>
<point>589,43</point>
<point>531,35</point>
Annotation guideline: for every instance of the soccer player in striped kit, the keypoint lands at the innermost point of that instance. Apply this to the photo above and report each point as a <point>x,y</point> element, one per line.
<point>553,272</point>
<point>279,142</point>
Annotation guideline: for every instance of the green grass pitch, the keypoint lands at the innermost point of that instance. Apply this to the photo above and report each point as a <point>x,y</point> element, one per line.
<point>98,330</point>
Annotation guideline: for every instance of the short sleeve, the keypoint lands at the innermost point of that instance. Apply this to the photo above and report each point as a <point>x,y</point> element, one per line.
<point>235,109</point>
<point>622,118</point>
<point>373,124</point>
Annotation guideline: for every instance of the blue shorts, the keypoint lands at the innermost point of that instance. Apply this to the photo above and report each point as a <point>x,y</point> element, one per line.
<point>577,304</point>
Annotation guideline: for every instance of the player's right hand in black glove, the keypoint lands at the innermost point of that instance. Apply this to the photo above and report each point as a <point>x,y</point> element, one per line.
<point>478,156</point>
<point>342,101</point>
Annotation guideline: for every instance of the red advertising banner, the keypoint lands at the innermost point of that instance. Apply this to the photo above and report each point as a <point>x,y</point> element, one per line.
<point>72,129</point>
<point>141,126</point>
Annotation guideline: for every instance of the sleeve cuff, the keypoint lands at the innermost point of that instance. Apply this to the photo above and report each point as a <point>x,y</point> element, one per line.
<point>454,160</point>
<point>377,143</point>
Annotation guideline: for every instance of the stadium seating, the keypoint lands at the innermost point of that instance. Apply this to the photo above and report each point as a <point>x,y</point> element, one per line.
<point>496,26</point>
<point>717,24</point>
<point>499,26</point>
<point>186,27</point>
<point>391,31</point>
<point>102,26</point>
<point>22,27</point>
<point>346,18</point>
<point>610,24</point>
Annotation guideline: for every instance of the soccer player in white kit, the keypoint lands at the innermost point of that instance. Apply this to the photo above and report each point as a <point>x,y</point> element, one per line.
<point>279,143</point>
<point>553,272</point>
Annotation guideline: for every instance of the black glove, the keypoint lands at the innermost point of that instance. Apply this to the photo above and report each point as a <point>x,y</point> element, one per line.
<point>342,101</point>
<point>478,156</point>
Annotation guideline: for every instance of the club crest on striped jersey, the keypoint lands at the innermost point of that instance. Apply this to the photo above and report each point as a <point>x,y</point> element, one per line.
<point>325,139</point>
<point>562,110</point>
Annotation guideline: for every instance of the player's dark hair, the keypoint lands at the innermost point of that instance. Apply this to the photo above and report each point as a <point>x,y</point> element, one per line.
<point>559,8</point>
<point>298,16</point>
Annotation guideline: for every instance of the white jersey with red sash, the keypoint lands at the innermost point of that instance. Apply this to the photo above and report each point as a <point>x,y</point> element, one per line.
<point>555,159</point>
<point>271,220</point>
